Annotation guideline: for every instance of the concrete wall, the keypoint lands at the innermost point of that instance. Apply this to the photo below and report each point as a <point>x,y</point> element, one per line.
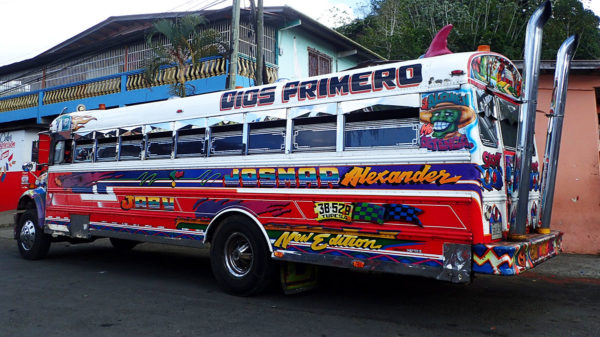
<point>576,209</point>
<point>293,62</point>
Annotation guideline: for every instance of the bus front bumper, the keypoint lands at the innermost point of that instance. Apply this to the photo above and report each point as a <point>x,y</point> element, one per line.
<point>512,258</point>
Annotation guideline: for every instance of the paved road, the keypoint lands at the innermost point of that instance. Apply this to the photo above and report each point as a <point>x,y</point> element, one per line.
<point>91,290</point>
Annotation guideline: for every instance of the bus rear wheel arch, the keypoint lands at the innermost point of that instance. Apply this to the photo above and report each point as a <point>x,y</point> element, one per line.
<point>240,257</point>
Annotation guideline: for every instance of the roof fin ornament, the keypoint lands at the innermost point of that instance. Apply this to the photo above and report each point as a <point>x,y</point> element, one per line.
<point>439,44</point>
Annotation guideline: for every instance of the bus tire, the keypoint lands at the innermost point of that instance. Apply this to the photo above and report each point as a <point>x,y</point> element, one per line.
<point>122,244</point>
<point>240,258</point>
<point>33,243</point>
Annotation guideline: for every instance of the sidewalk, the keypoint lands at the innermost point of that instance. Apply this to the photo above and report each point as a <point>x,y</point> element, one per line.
<point>570,266</point>
<point>7,219</point>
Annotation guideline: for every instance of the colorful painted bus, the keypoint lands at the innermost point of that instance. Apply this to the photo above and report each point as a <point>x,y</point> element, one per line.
<point>404,167</point>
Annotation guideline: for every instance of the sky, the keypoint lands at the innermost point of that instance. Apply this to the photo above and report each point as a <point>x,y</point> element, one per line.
<point>28,28</point>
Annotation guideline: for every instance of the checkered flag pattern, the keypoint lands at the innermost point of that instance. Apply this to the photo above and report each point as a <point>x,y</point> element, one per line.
<point>368,212</point>
<point>406,213</point>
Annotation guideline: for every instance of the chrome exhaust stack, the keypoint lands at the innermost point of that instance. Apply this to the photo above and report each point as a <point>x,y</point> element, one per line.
<point>531,74</point>
<point>557,112</point>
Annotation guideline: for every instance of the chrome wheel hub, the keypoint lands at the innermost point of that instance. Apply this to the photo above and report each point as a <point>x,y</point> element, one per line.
<point>239,257</point>
<point>27,235</point>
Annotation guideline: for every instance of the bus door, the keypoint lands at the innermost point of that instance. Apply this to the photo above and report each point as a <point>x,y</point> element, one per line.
<point>491,158</point>
<point>508,113</point>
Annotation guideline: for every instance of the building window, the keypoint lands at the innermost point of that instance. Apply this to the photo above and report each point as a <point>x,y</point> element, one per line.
<point>318,63</point>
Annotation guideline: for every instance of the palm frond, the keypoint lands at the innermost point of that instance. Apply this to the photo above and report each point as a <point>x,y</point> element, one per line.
<point>186,44</point>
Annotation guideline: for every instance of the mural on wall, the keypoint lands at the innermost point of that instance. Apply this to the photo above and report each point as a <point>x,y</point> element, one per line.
<point>7,155</point>
<point>445,117</point>
<point>491,171</point>
<point>497,72</point>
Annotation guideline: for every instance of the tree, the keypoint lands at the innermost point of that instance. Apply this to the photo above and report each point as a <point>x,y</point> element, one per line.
<point>185,46</point>
<point>403,29</point>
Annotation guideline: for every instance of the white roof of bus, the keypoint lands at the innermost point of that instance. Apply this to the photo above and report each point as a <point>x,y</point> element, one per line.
<point>436,75</point>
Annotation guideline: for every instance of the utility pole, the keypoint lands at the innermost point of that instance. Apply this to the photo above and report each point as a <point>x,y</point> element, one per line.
<point>234,42</point>
<point>260,37</point>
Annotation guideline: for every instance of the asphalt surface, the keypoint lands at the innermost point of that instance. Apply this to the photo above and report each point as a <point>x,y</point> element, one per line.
<point>157,290</point>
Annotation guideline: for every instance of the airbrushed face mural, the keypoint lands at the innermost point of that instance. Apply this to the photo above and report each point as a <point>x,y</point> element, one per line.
<point>446,116</point>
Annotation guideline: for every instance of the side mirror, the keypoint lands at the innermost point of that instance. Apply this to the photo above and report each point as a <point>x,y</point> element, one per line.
<point>28,166</point>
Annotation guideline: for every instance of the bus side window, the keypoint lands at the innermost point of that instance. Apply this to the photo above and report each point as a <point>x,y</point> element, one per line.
<point>131,147</point>
<point>226,135</point>
<point>382,127</point>
<point>226,140</point>
<point>509,117</point>
<point>83,150</point>
<point>35,151</point>
<point>266,137</point>
<point>59,152</point>
<point>63,153</point>
<point>191,143</point>
<point>159,145</point>
<point>487,131</point>
<point>106,146</point>
<point>314,133</point>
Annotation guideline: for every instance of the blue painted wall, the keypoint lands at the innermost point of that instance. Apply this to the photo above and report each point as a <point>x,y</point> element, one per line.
<point>122,98</point>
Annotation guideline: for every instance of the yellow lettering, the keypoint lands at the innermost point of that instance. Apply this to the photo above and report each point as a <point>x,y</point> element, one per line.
<point>284,240</point>
<point>418,177</point>
<point>444,178</point>
<point>318,242</point>
<point>431,177</point>
<point>371,178</point>
<point>352,178</point>
<point>127,202</point>
<point>404,177</point>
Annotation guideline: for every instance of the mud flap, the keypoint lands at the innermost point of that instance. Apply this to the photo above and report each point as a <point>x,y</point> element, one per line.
<point>80,226</point>
<point>457,263</point>
<point>298,277</point>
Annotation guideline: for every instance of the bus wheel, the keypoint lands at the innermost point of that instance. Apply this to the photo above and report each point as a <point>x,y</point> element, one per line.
<point>240,258</point>
<point>33,243</point>
<point>122,244</point>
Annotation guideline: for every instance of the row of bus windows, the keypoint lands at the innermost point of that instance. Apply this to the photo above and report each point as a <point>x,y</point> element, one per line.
<point>370,128</point>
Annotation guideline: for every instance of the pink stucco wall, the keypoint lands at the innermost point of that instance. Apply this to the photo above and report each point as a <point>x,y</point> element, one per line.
<point>576,209</point>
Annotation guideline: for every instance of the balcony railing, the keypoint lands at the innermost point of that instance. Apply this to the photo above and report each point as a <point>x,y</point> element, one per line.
<point>211,67</point>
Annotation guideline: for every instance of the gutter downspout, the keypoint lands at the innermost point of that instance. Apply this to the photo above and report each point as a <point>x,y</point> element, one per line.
<point>531,74</point>
<point>557,112</point>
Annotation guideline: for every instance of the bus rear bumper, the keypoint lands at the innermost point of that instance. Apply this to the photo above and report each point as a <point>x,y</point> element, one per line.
<point>512,258</point>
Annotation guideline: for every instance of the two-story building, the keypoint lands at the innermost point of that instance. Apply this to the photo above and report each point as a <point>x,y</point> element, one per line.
<point>102,68</point>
